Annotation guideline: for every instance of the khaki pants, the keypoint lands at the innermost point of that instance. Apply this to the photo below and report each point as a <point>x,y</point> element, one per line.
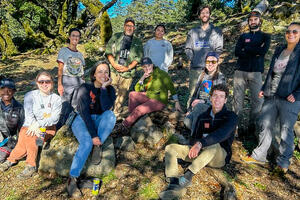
<point>213,156</point>
<point>26,146</point>
<point>122,86</point>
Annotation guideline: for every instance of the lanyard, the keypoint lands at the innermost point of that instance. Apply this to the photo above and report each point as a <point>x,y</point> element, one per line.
<point>42,102</point>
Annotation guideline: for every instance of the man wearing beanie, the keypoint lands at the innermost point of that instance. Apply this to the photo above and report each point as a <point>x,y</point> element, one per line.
<point>250,50</point>
<point>201,40</point>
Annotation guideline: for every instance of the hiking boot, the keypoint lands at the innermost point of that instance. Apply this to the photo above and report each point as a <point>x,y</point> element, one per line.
<point>97,155</point>
<point>279,171</point>
<point>5,166</point>
<point>250,160</point>
<point>27,172</point>
<point>121,130</point>
<point>72,188</point>
<point>184,182</point>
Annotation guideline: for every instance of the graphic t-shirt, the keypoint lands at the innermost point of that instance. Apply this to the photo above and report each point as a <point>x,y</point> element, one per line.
<point>204,89</point>
<point>73,62</point>
<point>279,68</point>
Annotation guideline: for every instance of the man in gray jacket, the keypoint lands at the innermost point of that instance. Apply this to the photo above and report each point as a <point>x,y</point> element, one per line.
<point>201,40</point>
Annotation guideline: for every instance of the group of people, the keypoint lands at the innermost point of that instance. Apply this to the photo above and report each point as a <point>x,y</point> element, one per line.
<point>92,108</point>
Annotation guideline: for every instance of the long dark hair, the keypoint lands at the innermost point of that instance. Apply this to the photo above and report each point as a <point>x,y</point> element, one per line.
<point>93,70</point>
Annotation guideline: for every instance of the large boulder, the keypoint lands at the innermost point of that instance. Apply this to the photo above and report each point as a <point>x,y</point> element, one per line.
<point>58,157</point>
<point>144,131</point>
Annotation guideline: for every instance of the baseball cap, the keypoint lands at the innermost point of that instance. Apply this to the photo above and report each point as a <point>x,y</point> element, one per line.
<point>7,82</point>
<point>129,19</point>
<point>214,54</point>
<point>254,14</point>
<point>146,61</point>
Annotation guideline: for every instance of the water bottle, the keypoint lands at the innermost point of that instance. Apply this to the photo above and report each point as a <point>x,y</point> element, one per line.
<point>40,140</point>
<point>96,182</point>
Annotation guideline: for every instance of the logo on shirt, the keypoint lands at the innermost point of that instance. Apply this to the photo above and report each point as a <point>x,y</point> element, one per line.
<point>207,85</point>
<point>206,125</point>
<point>74,65</point>
<point>247,40</point>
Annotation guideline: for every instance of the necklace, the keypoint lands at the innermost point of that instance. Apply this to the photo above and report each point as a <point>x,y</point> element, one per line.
<point>42,102</point>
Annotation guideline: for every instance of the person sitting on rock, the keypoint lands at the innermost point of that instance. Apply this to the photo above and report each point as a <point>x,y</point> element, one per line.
<point>210,144</point>
<point>11,117</point>
<point>94,122</point>
<point>42,110</point>
<point>151,94</point>
<point>200,100</point>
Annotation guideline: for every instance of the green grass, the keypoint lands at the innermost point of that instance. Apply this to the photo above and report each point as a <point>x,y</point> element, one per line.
<point>297,155</point>
<point>148,191</point>
<point>13,195</point>
<point>260,186</point>
<point>109,177</point>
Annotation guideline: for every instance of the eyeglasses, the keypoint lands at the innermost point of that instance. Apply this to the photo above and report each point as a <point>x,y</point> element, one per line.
<point>295,32</point>
<point>44,81</point>
<point>211,61</point>
<point>76,36</point>
<point>129,26</point>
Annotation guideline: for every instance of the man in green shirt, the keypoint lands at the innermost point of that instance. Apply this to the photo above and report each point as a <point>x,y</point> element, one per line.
<point>123,52</point>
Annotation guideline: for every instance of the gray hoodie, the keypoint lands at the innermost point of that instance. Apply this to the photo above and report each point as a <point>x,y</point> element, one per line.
<point>199,42</point>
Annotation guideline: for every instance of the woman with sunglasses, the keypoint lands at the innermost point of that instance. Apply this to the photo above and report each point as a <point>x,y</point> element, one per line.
<point>42,109</point>
<point>200,100</point>
<point>281,92</point>
<point>94,123</point>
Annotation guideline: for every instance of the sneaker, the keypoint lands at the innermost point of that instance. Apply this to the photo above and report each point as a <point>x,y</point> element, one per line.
<point>183,182</point>
<point>97,155</point>
<point>72,188</point>
<point>27,172</point>
<point>250,160</point>
<point>5,166</point>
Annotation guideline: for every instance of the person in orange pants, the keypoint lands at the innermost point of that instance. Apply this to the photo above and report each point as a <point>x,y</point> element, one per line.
<point>42,110</point>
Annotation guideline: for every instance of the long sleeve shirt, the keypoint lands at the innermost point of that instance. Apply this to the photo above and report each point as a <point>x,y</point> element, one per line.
<point>160,52</point>
<point>251,49</point>
<point>199,42</point>
<point>91,100</point>
<point>44,109</point>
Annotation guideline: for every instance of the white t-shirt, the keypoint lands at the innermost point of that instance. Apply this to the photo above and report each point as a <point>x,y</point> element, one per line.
<point>73,62</point>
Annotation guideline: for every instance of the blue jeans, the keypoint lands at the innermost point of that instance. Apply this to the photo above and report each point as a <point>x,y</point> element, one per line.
<point>287,113</point>
<point>104,124</point>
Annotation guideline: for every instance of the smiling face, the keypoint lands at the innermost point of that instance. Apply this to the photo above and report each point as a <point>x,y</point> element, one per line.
<point>159,33</point>
<point>45,84</point>
<point>211,64</point>
<point>218,99</point>
<point>129,28</point>
<point>74,38</point>
<point>292,34</point>
<point>254,22</point>
<point>148,68</point>
<point>7,94</point>
<point>204,15</point>
<point>101,74</point>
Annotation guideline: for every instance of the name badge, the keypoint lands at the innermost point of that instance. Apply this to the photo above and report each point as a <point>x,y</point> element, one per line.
<point>206,125</point>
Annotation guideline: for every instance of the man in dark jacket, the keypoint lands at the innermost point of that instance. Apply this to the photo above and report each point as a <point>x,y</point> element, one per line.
<point>250,50</point>
<point>211,141</point>
<point>11,117</point>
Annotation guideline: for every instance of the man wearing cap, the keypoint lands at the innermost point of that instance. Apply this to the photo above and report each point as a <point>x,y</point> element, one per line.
<point>210,144</point>
<point>250,50</point>
<point>200,41</point>
<point>11,117</point>
<point>151,94</point>
<point>123,52</point>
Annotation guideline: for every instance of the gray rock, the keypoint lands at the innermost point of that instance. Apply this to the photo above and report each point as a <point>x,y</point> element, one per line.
<point>58,158</point>
<point>145,131</point>
<point>125,143</point>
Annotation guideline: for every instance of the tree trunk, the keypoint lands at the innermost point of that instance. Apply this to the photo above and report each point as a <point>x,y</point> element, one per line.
<point>7,46</point>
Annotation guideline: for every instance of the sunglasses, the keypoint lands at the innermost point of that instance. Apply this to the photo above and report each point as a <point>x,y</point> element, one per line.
<point>211,61</point>
<point>295,32</point>
<point>44,81</point>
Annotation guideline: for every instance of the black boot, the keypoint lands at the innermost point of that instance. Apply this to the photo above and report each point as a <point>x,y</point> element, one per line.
<point>72,188</point>
<point>96,155</point>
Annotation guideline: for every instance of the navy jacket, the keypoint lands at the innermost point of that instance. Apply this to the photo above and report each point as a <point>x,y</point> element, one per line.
<point>91,100</point>
<point>220,130</point>
<point>290,80</point>
<point>250,50</point>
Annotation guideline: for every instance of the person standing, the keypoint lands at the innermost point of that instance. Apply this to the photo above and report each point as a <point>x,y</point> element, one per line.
<point>70,73</point>
<point>281,92</point>
<point>159,50</point>
<point>250,50</point>
<point>124,51</point>
<point>201,40</point>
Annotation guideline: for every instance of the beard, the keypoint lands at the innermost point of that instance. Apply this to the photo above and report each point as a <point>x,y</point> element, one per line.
<point>205,21</point>
<point>254,26</point>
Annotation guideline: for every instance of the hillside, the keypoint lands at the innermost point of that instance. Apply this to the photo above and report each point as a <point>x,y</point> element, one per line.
<point>140,174</point>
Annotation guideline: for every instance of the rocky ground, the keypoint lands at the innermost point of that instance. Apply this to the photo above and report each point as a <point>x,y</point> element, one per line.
<point>139,174</point>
